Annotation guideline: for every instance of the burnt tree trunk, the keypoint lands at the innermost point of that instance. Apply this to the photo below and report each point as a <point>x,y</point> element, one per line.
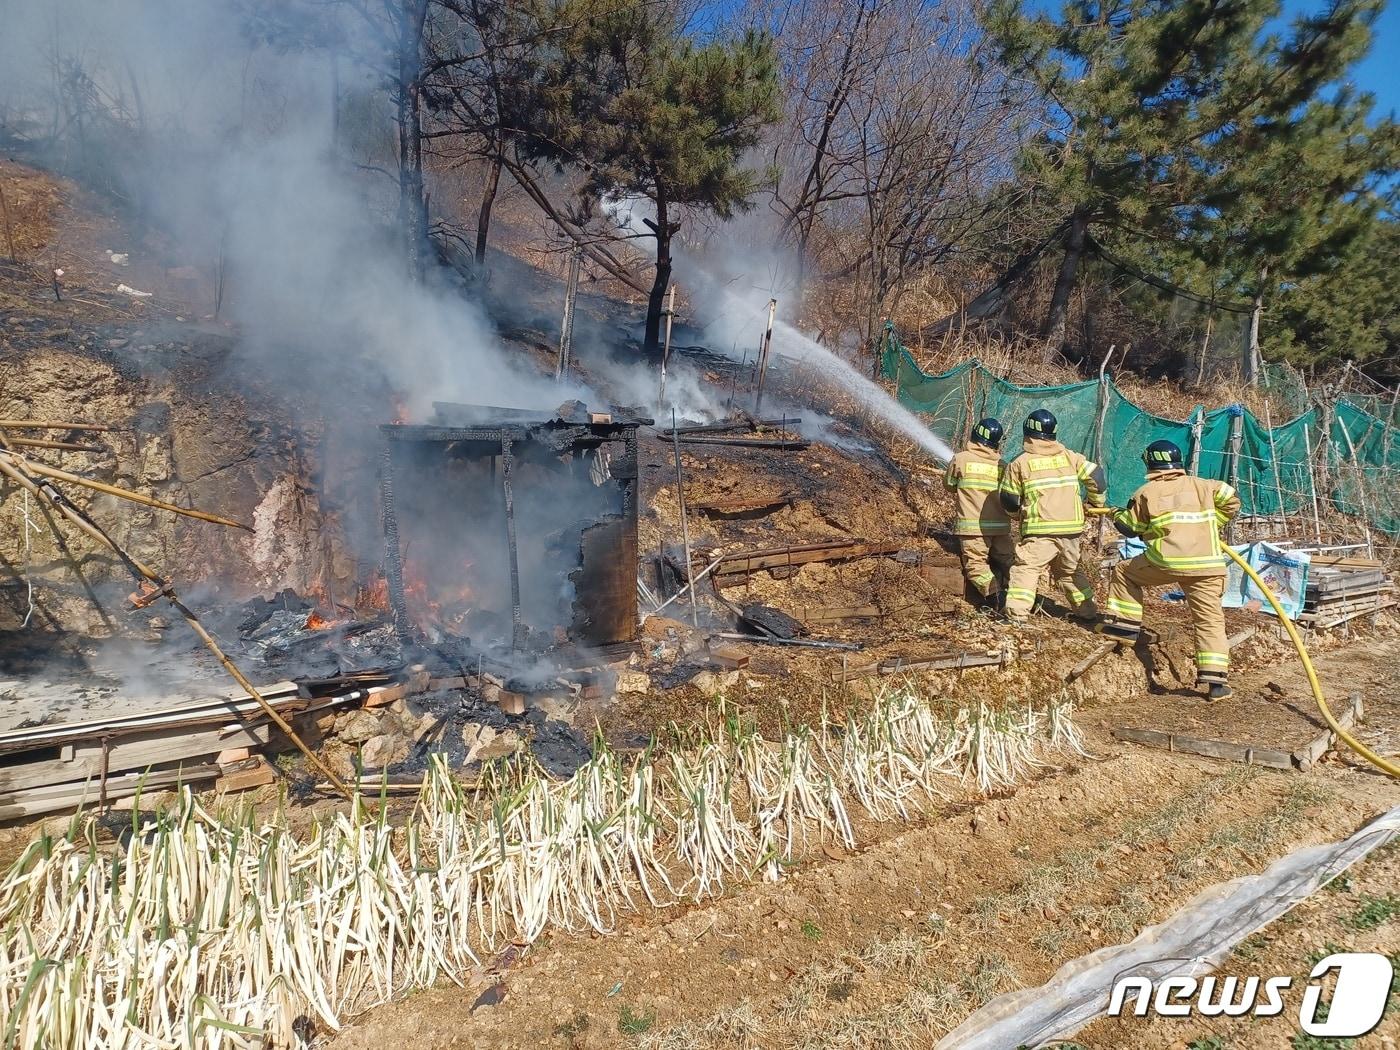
<point>488,198</point>
<point>413,206</point>
<point>1058,315</point>
<point>656,300</point>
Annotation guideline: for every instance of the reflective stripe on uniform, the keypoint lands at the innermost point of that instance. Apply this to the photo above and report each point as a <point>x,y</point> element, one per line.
<point>1018,594</point>
<point>1190,517</point>
<point>978,527</point>
<point>1036,527</point>
<point>1207,659</point>
<point>1209,561</point>
<point>1038,484</point>
<point>1130,520</point>
<point>1076,595</point>
<point>1129,610</point>
<point>978,484</point>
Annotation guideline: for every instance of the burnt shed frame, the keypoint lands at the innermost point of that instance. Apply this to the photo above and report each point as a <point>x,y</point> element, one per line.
<point>482,431</point>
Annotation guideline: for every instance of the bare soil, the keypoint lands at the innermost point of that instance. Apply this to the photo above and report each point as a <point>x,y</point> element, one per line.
<point>896,943</point>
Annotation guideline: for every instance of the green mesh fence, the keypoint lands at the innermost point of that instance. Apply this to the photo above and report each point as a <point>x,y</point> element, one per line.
<point>1384,409</point>
<point>1364,454</point>
<point>1268,467</point>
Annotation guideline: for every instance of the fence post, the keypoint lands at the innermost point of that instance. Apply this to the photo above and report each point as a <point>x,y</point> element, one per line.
<point>1198,422</point>
<point>1233,467</point>
<point>1273,462</point>
<point>1098,425</point>
<point>1360,487</point>
<point>1312,485</point>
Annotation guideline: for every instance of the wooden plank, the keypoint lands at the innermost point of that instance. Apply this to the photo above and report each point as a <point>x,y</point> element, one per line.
<point>1309,754</point>
<point>1333,614</point>
<point>1193,745</point>
<point>1340,561</point>
<point>215,709</point>
<point>381,695</point>
<point>784,557</point>
<point>728,657</point>
<point>54,797</point>
<point>126,754</point>
<point>1320,625</point>
<point>833,613</point>
<point>244,776</point>
<point>1089,661</point>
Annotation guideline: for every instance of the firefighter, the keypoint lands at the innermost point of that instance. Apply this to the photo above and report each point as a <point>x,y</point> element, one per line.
<point>1043,486</point>
<point>981,524</point>
<point>1179,516</point>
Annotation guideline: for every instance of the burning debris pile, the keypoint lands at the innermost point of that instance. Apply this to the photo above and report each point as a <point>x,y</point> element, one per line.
<point>268,933</point>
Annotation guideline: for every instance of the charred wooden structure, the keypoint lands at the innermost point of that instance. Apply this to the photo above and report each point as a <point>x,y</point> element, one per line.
<point>526,520</point>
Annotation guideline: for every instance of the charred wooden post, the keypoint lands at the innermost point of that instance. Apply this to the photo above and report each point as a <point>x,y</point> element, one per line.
<point>764,349</point>
<point>517,626</point>
<point>393,555</point>
<point>566,326</point>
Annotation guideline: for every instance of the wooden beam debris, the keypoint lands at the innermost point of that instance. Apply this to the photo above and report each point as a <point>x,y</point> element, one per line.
<point>800,554</point>
<point>35,802</point>
<point>801,643</point>
<point>1248,754</point>
<point>835,613</point>
<point>900,664</point>
<point>737,426</point>
<point>792,444</point>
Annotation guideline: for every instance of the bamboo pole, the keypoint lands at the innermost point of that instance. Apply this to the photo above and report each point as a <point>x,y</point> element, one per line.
<point>1360,488</point>
<point>49,424</point>
<point>66,446</point>
<point>1273,460</point>
<point>666,346</point>
<point>685,525</point>
<point>1312,484</point>
<point>135,497</point>
<point>1233,469</point>
<point>11,466</point>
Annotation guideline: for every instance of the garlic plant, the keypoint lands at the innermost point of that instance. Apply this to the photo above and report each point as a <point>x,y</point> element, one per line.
<point>207,930</point>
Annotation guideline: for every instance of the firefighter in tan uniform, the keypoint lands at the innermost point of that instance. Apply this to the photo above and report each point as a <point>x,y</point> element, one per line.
<point>1179,516</point>
<point>1043,486</point>
<point>980,523</point>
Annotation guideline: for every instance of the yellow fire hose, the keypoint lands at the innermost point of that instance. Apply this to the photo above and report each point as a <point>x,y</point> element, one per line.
<point>1361,749</point>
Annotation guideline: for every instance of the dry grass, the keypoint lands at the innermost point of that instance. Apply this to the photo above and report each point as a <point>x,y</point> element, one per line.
<point>740,1027</point>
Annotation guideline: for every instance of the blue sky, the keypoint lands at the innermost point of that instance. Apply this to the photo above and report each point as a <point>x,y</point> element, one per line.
<point>1378,73</point>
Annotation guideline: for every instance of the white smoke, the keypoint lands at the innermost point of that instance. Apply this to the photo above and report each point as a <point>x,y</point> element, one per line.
<point>232,148</point>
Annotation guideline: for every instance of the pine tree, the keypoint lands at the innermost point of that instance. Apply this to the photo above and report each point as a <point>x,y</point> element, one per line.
<point>1351,310</point>
<point>645,112</point>
<point>1163,106</point>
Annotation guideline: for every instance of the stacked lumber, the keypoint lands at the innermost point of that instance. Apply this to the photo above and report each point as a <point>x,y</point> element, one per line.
<point>1342,588</point>
<point>213,742</point>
